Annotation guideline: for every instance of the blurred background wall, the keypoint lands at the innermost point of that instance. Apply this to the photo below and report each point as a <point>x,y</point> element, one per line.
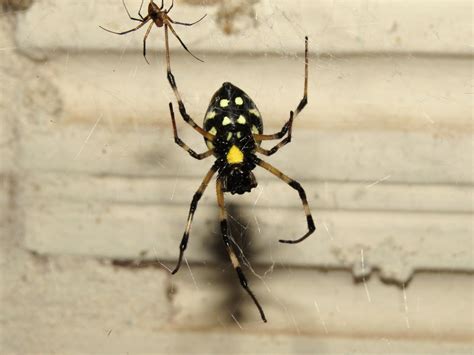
<point>94,193</point>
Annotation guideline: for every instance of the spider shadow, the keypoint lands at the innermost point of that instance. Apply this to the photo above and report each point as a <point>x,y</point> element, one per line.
<point>235,296</point>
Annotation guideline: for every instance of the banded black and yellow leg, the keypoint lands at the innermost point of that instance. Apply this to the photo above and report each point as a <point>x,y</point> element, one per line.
<point>278,135</point>
<point>282,143</point>
<point>182,109</point>
<point>304,100</point>
<point>178,141</point>
<point>296,185</point>
<point>287,126</point>
<point>230,250</point>
<point>192,209</point>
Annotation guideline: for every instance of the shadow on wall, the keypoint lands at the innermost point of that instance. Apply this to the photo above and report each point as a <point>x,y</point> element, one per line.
<point>233,295</point>
<point>219,278</point>
<point>15,5</point>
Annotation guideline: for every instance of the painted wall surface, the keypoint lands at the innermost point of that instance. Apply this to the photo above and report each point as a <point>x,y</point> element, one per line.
<point>94,193</point>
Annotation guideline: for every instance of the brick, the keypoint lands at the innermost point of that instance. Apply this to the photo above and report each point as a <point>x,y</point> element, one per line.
<point>270,192</point>
<point>342,27</point>
<point>389,242</point>
<point>325,303</point>
<point>368,156</point>
<point>355,93</point>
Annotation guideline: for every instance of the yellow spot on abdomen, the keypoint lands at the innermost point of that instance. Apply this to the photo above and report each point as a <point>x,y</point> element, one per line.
<point>224,103</point>
<point>226,120</point>
<point>254,112</point>
<point>211,115</point>
<point>235,155</point>
<point>241,120</point>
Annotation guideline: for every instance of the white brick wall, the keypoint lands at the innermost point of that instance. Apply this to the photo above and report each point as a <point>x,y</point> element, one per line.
<point>92,184</point>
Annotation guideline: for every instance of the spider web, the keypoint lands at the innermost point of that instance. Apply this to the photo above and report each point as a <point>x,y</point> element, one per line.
<point>128,172</point>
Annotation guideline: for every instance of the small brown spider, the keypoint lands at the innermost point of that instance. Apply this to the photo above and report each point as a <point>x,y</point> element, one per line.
<point>159,17</point>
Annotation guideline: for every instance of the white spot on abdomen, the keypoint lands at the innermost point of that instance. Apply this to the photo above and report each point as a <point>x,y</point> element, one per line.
<point>226,120</point>
<point>241,120</point>
<point>224,103</point>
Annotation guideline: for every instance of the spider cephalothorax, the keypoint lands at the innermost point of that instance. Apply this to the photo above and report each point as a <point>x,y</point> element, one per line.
<point>157,14</point>
<point>233,132</point>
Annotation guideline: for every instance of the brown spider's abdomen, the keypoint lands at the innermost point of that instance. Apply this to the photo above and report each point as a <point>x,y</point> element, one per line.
<point>158,22</point>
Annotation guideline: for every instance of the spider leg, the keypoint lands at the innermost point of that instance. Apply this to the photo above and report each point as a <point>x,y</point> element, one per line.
<point>281,143</point>
<point>192,209</point>
<point>185,23</point>
<point>287,126</point>
<point>182,108</point>
<point>182,43</point>
<point>296,185</point>
<point>278,135</point>
<point>144,40</point>
<point>304,100</point>
<point>172,4</point>
<point>140,10</point>
<point>230,251</point>
<point>128,31</point>
<point>183,145</point>
<point>130,16</point>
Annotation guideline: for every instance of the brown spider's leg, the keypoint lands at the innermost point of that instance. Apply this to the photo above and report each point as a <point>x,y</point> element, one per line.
<point>182,43</point>
<point>192,208</point>
<point>144,40</point>
<point>140,10</point>
<point>299,108</point>
<point>185,23</point>
<point>182,109</point>
<point>183,145</point>
<point>228,247</point>
<point>296,185</point>
<point>130,16</point>
<point>172,4</point>
<point>281,143</point>
<point>151,1</point>
<point>128,31</point>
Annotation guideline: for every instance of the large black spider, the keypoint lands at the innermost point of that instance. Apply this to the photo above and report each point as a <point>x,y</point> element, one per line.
<point>158,15</point>
<point>233,132</point>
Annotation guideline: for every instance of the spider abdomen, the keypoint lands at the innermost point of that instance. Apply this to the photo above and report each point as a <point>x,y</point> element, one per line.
<point>233,118</point>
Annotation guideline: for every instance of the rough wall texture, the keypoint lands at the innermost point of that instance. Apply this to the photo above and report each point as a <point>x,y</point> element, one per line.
<point>94,193</point>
